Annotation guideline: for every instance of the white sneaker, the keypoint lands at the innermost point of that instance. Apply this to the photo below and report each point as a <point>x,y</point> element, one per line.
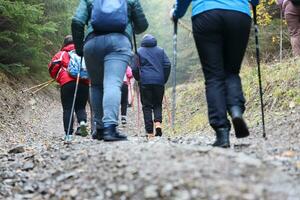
<point>123,120</point>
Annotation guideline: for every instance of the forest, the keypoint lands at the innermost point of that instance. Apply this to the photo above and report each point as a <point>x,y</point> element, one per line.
<point>31,31</point>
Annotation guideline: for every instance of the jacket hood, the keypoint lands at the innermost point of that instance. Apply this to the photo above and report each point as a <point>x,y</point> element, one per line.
<point>149,41</point>
<point>68,48</point>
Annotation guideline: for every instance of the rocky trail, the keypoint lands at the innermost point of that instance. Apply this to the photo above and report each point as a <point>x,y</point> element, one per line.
<point>36,164</point>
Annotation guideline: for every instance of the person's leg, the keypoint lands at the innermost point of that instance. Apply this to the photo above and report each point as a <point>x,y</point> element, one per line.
<point>80,105</point>
<point>208,34</point>
<point>237,29</point>
<point>146,99</point>
<point>67,94</point>
<point>158,95</point>
<point>117,58</point>
<point>94,59</point>
<point>293,22</point>
<point>124,99</point>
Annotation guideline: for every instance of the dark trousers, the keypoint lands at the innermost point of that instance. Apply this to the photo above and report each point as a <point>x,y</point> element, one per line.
<point>124,99</point>
<point>152,97</point>
<point>67,94</point>
<point>221,38</point>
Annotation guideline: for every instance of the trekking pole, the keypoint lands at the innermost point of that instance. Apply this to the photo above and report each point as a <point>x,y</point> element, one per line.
<point>74,99</point>
<point>39,85</point>
<point>174,74</point>
<point>258,69</point>
<point>281,37</point>
<point>45,85</point>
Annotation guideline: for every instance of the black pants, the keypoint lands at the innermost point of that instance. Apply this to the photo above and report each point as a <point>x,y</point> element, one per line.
<point>152,97</point>
<point>124,99</point>
<point>67,94</point>
<point>221,38</point>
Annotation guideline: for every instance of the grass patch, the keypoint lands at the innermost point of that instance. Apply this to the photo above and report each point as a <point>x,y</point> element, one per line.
<point>281,86</point>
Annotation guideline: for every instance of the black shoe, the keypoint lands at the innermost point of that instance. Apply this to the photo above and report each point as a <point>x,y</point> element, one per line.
<point>222,138</point>
<point>111,134</point>
<point>97,134</point>
<point>239,124</point>
<point>158,132</point>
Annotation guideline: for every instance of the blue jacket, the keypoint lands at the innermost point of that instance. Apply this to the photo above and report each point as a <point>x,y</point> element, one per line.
<point>199,6</point>
<point>153,66</point>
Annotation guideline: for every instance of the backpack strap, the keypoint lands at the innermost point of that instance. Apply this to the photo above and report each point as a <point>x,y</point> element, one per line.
<point>55,62</point>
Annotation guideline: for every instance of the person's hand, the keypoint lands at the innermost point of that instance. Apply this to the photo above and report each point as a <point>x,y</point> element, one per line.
<point>254,2</point>
<point>171,14</point>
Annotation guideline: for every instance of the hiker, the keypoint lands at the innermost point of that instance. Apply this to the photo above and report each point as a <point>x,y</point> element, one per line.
<point>291,13</point>
<point>58,71</point>
<point>152,70</point>
<point>221,31</point>
<point>124,95</point>
<point>107,51</point>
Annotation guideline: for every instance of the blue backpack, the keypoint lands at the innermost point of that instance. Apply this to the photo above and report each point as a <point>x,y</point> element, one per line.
<point>75,66</point>
<point>109,16</point>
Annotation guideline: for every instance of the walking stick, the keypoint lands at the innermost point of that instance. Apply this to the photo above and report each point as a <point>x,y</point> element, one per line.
<point>258,69</point>
<point>73,104</point>
<point>174,73</point>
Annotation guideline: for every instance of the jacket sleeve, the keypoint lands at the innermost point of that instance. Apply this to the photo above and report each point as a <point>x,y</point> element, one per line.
<point>181,7</point>
<point>139,19</point>
<point>80,19</point>
<point>135,66</point>
<point>167,66</point>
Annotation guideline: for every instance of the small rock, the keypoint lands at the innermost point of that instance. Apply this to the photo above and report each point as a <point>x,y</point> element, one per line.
<point>150,192</point>
<point>73,192</point>
<point>182,195</point>
<point>244,159</point>
<point>17,149</point>
<point>65,176</point>
<point>123,188</point>
<point>29,165</point>
<point>166,190</point>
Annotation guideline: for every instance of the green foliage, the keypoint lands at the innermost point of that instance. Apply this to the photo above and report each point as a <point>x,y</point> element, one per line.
<point>30,32</point>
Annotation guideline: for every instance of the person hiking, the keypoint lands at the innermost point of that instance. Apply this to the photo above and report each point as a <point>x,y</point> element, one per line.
<point>58,71</point>
<point>291,13</point>
<point>221,31</point>
<point>107,52</point>
<point>152,70</point>
<point>124,95</point>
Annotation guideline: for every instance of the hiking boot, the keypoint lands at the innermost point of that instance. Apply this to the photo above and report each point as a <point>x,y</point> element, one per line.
<point>239,124</point>
<point>111,134</point>
<point>97,134</point>
<point>123,120</point>
<point>82,129</point>
<point>158,131</point>
<point>68,139</point>
<point>222,138</point>
<point>150,136</point>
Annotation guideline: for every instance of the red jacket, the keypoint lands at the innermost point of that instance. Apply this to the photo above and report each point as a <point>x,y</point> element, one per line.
<point>58,66</point>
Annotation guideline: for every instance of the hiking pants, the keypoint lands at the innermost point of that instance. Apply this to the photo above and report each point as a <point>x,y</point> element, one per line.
<point>107,57</point>
<point>293,22</point>
<point>124,99</point>
<point>152,97</point>
<point>221,38</point>
<point>67,95</point>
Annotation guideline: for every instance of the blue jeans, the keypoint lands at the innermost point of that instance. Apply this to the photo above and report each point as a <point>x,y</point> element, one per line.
<point>107,57</point>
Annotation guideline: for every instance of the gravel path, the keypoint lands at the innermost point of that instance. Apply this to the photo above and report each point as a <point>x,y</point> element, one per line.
<point>36,164</point>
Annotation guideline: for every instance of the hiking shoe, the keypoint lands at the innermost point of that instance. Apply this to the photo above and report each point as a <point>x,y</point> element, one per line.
<point>111,134</point>
<point>240,127</point>
<point>68,139</point>
<point>82,129</point>
<point>97,134</point>
<point>123,120</point>
<point>222,138</point>
<point>158,131</point>
<point>150,136</point>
